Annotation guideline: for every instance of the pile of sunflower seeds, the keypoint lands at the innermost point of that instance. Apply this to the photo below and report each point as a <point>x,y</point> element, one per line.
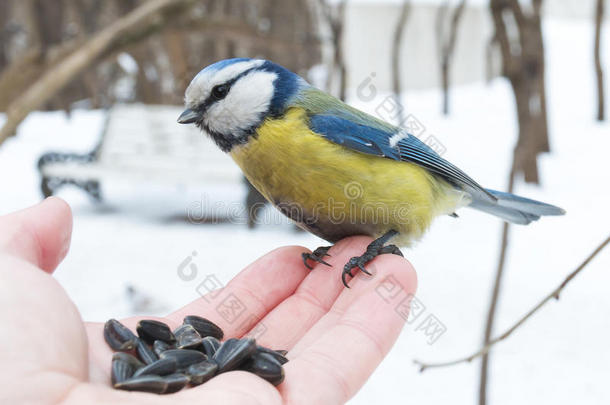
<point>160,361</point>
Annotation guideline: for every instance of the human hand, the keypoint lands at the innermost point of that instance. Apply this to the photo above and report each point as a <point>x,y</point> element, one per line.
<point>336,337</point>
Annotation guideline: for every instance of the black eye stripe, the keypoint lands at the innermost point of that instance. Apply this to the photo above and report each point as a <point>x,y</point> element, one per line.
<point>227,85</point>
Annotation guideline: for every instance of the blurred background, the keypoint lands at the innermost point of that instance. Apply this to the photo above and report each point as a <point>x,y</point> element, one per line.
<point>510,91</point>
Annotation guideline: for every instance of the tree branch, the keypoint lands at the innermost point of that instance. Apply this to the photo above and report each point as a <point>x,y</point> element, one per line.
<point>491,314</point>
<point>447,49</point>
<point>599,72</point>
<point>136,24</point>
<point>553,294</point>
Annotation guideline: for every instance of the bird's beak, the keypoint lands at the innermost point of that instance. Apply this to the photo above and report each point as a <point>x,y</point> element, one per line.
<point>188,116</point>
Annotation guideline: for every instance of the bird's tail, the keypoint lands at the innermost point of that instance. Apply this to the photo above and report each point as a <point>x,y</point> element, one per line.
<point>515,209</point>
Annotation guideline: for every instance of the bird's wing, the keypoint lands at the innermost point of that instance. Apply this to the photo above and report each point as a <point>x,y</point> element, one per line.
<point>356,130</point>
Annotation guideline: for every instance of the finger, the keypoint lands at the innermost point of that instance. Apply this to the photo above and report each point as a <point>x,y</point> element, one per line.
<point>314,297</point>
<point>360,330</point>
<point>37,314</point>
<point>39,234</point>
<point>254,292</point>
<point>234,388</point>
<point>359,285</point>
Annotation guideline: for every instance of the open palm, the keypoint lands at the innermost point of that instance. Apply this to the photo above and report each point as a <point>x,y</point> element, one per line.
<point>336,337</point>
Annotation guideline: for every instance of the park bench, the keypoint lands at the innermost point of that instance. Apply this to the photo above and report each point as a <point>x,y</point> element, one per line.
<point>144,143</point>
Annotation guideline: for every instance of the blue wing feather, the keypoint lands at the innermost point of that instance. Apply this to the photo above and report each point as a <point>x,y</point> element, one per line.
<point>376,141</point>
<point>352,135</point>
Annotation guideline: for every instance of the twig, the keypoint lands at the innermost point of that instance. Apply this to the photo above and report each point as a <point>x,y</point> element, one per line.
<point>447,47</point>
<point>599,72</point>
<point>491,314</point>
<point>554,294</point>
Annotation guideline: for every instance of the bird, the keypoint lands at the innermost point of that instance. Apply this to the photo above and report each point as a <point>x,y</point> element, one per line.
<point>334,170</point>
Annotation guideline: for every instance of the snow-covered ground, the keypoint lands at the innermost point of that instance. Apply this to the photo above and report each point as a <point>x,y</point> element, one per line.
<point>561,356</point>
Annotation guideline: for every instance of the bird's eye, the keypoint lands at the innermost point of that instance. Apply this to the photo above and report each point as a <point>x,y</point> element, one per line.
<point>219,92</point>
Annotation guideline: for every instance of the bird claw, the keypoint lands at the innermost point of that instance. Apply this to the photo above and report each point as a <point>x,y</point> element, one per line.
<point>317,256</point>
<point>365,271</point>
<point>359,262</point>
<point>373,250</point>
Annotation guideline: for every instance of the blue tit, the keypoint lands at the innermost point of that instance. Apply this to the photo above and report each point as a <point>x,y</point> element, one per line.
<point>334,170</point>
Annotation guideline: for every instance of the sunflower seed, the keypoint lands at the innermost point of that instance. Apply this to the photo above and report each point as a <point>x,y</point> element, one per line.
<point>160,346</point>
<point>145,383</point>
<point>145,353</point>
<point>202,372</point>
<point>175,382</point>
<point>123,367</point>
<point>187,337</point>
<point>232,353</point>
<point>275,353</point>
<point>160,367</point>
<point>150,330</point>
<point>265,366</point>
<point>184,357</point>
<point>210,345</point>
<point>118,336</point>
<point>204,327</point>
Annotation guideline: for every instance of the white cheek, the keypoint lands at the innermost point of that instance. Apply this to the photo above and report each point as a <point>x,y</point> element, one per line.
<point>247,101</point>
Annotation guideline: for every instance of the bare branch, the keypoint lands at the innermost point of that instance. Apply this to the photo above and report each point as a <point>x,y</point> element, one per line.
<point>517,11</point>
<point>599,72</point>
<point>491,314</point>
<point>334,17</point>
<point>447,47</point>
<point>553,294</point>
<point>136,24</point>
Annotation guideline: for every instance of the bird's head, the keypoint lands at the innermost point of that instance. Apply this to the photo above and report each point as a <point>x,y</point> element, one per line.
<point>231,98</point>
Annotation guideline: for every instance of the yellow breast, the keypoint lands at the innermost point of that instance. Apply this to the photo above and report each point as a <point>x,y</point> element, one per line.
<point>335,192</point>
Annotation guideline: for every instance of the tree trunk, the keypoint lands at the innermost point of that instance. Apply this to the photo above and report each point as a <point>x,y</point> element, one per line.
<point>523,65</point>
<point>599,18</point>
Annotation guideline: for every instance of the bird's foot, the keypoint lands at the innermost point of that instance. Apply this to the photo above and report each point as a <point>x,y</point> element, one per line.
<point>317,256</point>
<point>374,249</point>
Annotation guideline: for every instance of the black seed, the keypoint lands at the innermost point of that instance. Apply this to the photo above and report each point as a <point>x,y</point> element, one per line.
<point>175,382</point>
<point>145,383</point>
<point>210,345</point>
<point>232,353</point>
<point>187,337</point>
<point>265,366</point>
<point>160,367</point>
<point>184,357</point>
<point>275,353</point>
<point>150,330</point>
<point>202,372</point>
<point>145,352</point>
<point>118,336</point>
<point>160,346</point>
<point>123,367</point>
<point>204,327</point>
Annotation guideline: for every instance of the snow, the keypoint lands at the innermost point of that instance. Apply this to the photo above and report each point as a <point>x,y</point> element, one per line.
<point>139,237</point>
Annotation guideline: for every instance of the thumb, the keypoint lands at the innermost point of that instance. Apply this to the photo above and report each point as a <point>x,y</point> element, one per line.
<point>39,234</point>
